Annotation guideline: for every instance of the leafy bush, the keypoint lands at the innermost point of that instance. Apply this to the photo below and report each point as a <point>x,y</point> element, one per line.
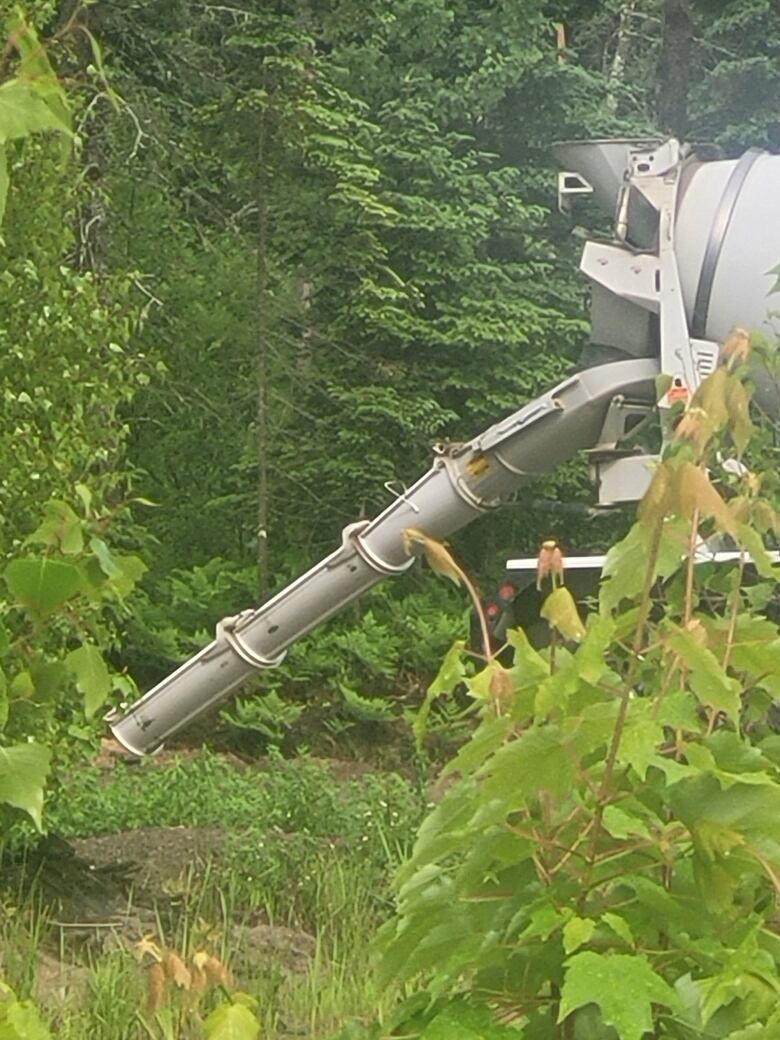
<point>606,862</point>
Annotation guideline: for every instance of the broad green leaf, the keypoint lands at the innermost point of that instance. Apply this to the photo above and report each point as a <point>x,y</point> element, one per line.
<point>41,584</point>
<point>620,927</point>
<point>47,678</point>
<point>486,739</point>
<point>107,562</point>
<point>641,737</point>
<point>23,111</point>
<point>4,640</point>
<point>130,571</point>
<point>590,657</point>
<point>528,665</point>
<point>545,920</point>
<point>22,686</point>
<point>753,810</point>
<point>452,670</point>
<point>625,568</point>
<point>707,678</point>
<point>463,1021</point>
<point>716,884</point>
<point>85,496</point>
<point>621,824</point>
<point>679,710</point>
<point>20,1020</point>
<point>60,527</point>
<point>91,675</point>
<point>536,761</point>
<point>231,1022</point>
<point>23,772</point>
<point>554,691</point>
<point>752,541</point>
<point>561,611</point>
<point>483,684</point>
<point>750,975</point>
<point>576,932</point>
<point>738,404</point>
<point>450,674</point>
<point>716,840</point>
<point>36,69</point>
<point>624,986</point>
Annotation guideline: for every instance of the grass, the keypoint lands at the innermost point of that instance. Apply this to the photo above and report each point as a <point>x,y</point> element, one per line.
<point>303,850</point>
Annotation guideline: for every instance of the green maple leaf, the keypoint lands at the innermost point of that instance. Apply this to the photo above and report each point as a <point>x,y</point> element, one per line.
<point>623,986</point>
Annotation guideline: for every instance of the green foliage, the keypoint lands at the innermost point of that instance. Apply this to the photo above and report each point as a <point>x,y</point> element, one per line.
<point>606,862</point>
<point>64,376</point>
<point>19,1019</point>
<point>30,102</point>
<point>23,771</point>
<point>67,595</point>
<point>233,1021</point>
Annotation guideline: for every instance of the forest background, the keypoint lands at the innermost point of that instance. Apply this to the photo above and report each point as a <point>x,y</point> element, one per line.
<point>287,248</point>
<point>257,259</point>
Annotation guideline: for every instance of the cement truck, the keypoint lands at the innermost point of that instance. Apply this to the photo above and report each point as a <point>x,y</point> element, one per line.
<point>694,242</point>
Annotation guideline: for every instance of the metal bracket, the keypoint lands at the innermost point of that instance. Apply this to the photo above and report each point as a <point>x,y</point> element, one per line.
<point>389,485</point>
<point>615,426</point>
<point>571,184</point>
<point>227,630</point>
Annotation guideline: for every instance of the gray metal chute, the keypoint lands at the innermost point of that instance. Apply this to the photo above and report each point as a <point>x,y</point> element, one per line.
<point>464,482</point>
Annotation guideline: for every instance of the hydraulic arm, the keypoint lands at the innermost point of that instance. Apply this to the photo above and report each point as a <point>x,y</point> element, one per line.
<point>465,481</point>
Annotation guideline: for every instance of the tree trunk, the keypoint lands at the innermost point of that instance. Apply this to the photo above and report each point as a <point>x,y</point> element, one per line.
<point>621,55</point>
<point>673,68</point>
<point>263,363</point>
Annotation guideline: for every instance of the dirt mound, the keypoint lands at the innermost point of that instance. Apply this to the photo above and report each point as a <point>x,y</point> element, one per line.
<point>154,856</point>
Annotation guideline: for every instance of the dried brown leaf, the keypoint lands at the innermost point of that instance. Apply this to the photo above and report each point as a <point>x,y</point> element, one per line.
<point>549,564</point>
<point>156,988</point>
<point>437,555</point>
<point>176,970</point>
<point>148,947</point>
<point>696,495</point>
<point>217,973</point>
<point>736,349</point>
<point>502,687</point>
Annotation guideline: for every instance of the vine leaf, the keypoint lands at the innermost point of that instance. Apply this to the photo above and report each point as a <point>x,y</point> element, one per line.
<point>624,986</point>
<point>23,772</point>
